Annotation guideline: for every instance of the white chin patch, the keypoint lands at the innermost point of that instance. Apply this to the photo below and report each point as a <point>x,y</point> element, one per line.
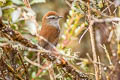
<point>55,23</point>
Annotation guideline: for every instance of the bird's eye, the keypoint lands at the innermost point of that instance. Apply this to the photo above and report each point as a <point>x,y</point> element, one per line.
<point>53,17</point>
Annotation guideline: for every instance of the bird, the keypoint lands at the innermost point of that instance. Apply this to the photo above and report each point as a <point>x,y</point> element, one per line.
<point>50,30</point>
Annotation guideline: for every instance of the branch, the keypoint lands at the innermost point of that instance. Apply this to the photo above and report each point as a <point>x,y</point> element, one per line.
<point>106,19</point>
<point>59,60</point>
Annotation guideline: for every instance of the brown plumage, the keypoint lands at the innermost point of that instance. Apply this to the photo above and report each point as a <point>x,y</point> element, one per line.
<point>50,29</point>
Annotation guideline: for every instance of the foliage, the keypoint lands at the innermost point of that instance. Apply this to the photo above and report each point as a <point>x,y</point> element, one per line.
<point>90,41</point>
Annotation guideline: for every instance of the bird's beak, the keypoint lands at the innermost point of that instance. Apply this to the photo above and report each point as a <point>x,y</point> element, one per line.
<point>60,17</point>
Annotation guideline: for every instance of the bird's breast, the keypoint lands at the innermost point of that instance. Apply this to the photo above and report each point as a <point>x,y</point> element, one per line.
<point>50,33</point>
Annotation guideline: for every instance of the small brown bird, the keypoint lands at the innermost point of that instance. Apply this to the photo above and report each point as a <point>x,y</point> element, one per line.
<point>50,29</point>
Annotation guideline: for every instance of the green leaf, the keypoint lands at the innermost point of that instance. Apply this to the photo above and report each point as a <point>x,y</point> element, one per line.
<point>8,2</point>
<point>18,2</point>
<point>7,13</point>
<point>33,74</point>
<point>37,1</point>
<point>2,2</point>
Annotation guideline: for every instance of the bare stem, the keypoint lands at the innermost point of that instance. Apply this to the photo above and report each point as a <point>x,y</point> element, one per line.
<point>93,50</point>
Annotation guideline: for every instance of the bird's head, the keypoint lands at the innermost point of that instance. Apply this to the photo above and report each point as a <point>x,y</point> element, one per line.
<point>51,19</point>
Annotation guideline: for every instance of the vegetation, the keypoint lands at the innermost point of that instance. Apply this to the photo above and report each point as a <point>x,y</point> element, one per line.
<point>88,48</point>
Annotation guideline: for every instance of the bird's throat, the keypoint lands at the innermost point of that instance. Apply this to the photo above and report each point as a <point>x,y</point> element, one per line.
<point>54,23</point>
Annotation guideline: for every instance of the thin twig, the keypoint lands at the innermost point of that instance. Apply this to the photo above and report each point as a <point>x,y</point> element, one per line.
<point>106,19</point>
<point>33,63</point>
<point>93,49</point>
<point>26,71</point>
<point>92,41</point>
